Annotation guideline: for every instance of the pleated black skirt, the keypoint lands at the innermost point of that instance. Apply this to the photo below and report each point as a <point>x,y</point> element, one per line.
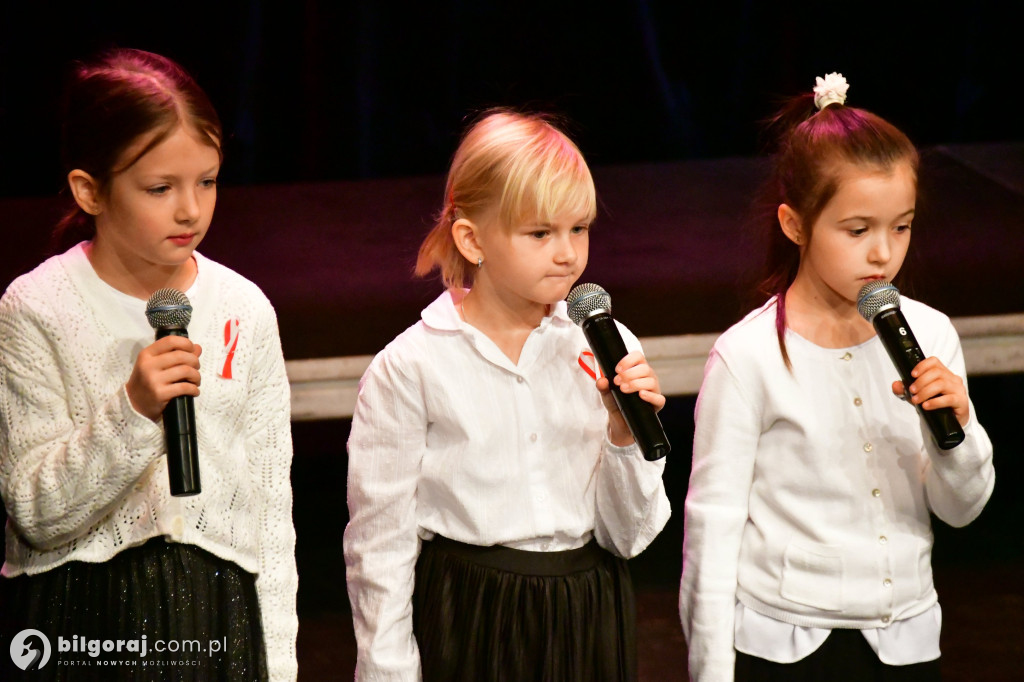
<point>160,611</point>
<point>501,614</point>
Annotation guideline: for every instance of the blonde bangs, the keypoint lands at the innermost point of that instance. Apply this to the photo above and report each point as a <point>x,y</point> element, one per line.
<point>545,179</point>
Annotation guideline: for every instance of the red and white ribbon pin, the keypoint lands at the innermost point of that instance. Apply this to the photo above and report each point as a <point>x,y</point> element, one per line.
<point>589,364</point>
<point>230,343</point>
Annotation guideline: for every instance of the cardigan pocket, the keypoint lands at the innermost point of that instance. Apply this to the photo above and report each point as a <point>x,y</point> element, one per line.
<point>813,576</point>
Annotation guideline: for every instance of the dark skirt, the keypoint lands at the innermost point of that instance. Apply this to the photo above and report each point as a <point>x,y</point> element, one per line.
<point>844,657</point>
<point>500,614</point>
<point>109,621</point>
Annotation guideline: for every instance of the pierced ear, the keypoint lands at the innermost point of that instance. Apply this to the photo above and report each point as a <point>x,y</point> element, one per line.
<point>86,191</point>
<point>465,233</point>
<point>792,226</point>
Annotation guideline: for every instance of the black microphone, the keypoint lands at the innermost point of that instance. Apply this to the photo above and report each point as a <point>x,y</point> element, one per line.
<point>879,303</point>
<point>590,307</point>
<point>169,312</point>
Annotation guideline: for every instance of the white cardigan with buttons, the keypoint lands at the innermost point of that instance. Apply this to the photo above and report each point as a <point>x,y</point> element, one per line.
<point>810,489</point>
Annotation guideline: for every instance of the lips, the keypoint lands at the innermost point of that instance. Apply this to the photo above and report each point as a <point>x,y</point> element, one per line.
<point>183,239</point>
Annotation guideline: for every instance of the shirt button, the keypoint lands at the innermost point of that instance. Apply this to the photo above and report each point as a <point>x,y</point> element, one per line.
<point>887,583</point>
<point>847,357</point>
<point>533,437</point>
<point>868,447</point>
<point>519,379</point>
<point>885,619</point>
<point>876,493</point>
<point>882,539</point>
<point>858,402</point>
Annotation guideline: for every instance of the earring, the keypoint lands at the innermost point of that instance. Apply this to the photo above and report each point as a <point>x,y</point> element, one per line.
<point>479,262</point>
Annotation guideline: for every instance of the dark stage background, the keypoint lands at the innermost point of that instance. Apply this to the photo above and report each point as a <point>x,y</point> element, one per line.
<point>319,90</point>
<point>341,118</point>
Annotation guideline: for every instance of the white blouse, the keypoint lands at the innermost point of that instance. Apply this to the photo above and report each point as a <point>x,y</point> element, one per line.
<point>450,437</point>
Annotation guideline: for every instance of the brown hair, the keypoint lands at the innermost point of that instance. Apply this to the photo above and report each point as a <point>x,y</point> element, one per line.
<point>811,149</point>
<point>111,102</point>
<point>512,166</point>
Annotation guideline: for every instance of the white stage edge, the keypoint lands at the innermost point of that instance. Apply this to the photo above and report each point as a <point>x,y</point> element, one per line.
<point>325,388</point>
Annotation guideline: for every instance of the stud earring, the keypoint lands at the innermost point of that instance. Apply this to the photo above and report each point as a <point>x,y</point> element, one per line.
<point>479,262</point>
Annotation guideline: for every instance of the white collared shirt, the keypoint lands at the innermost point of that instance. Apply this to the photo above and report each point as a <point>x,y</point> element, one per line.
<point>451,437</point>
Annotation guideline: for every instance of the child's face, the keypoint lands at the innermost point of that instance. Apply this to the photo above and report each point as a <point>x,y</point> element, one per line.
<point>537,263</point>
<point>158,210</point>
<point>863,232</point>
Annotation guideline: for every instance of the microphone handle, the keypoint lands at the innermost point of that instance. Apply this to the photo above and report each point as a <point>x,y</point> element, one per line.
<point>905,352</point>
<point>640,416</point>
<point>180,436</point>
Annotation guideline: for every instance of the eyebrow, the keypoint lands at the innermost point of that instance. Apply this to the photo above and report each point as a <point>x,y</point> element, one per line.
<point>868,219</point>
<point>173,176</point>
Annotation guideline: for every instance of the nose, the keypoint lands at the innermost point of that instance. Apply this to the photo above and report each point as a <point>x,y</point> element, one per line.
<point>566,250</point>
<point>881,250</point>
<point>188,208</point>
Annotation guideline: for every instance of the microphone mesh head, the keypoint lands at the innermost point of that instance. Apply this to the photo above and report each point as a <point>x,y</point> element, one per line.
<point>586,299</point>
<point>168,308</point>
<point>876,296</point>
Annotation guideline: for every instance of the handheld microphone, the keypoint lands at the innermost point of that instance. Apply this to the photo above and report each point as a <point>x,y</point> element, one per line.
<point>590,307</point>
<point>879,303</point>
<point>169,312</point>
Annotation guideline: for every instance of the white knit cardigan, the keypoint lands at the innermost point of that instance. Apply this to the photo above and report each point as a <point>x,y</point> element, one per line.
<point>84,476</point>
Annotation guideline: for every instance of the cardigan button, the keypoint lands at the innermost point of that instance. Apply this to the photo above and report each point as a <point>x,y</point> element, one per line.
<point>858,402</point>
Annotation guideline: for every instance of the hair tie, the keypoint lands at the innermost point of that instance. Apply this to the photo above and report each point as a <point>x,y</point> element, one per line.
<point>830,90</point>
<point>451,200</point>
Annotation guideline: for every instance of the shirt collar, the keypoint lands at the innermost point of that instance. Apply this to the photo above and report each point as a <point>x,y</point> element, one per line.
<point>443,314</point>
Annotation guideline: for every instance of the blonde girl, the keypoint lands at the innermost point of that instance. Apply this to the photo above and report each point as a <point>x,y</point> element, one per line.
<point>494,491</point>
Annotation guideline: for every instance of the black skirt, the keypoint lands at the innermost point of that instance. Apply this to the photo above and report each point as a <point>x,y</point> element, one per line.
<point>845,656</point>
<point>501,614</point>
<point>160,611</point>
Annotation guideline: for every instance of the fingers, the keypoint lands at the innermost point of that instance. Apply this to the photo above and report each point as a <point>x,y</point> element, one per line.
<point>169,343</point>
<point>655,399</point>
<point>935,387</point>
<point>899,390</point>
<point>175,358</point>
<point>164,370</point>
<point>634,375</point>
<point>931,379</point>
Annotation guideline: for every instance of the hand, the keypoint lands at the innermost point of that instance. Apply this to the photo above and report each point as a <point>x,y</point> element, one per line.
<point>164,370</point>
<point>934,387</point>
<point>633,375</point>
